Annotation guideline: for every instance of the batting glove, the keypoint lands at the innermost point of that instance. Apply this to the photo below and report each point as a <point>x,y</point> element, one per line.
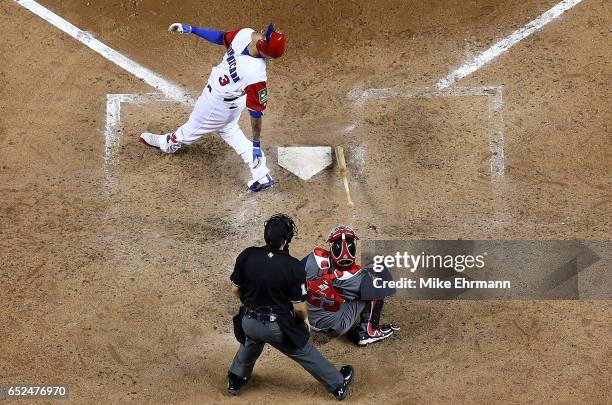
<point>180,28</point>
<point>257,154</point>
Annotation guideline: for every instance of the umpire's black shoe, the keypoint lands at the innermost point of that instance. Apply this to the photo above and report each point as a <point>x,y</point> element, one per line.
<point>235,383</point>
<point>348,372</point>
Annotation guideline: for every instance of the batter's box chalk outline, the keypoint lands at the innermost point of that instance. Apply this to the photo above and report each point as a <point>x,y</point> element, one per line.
<point>113,128</point>
<point>495,99</point>
<point>494,95</point>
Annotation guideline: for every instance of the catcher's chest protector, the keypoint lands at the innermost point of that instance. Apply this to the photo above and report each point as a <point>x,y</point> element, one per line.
<point>321,291</point>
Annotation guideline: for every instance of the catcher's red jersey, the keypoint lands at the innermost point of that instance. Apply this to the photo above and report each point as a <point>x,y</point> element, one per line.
<point>328,288</point>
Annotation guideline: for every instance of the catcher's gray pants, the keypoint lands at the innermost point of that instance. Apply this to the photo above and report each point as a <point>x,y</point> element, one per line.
<point>337,323</point>
<point>259,333</point>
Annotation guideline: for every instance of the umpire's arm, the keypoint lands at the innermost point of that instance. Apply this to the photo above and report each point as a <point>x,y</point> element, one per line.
<point>236,291</point>
<point>237,277</point>
<point>298,294</point>
<point>301,311</point>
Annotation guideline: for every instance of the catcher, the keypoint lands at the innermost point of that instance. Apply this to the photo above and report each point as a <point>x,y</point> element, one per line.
<point>340,291</point>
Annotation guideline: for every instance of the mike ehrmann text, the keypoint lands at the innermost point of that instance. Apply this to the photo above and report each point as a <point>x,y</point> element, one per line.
<point>437,283</point>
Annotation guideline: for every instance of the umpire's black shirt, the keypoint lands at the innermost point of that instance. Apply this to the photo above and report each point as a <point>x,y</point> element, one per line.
<point>269,279</point>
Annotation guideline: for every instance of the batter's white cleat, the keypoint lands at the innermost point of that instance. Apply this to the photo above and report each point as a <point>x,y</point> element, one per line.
<point>166,143</point>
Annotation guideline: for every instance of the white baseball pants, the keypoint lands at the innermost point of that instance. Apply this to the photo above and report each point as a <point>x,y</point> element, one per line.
<point>211,113</point>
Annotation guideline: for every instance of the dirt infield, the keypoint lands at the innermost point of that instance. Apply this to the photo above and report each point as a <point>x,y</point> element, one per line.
<point>115,275</point>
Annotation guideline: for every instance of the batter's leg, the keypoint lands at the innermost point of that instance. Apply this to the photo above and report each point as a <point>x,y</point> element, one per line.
<point>208,115</point>
<point>233,136</point>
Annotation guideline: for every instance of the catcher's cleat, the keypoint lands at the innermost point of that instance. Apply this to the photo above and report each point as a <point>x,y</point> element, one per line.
<point>166,143</point>
<point>235,383</point>
<point>262,184</point>
<point>348,372</point>
<point>378,335</point>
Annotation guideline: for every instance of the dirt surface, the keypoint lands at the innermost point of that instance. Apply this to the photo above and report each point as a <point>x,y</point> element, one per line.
<point>115,275</point>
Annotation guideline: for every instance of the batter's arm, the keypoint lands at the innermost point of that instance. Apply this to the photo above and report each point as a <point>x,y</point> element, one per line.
<point>256,128</point>
<point>257,98</point>
<point>213,36</point>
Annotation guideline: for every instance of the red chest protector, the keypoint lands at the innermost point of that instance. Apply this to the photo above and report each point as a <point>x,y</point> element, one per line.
<point>321,291</point>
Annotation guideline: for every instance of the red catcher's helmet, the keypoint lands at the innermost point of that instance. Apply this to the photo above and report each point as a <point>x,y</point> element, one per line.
<point>343,246</point>
<point>273,46</point>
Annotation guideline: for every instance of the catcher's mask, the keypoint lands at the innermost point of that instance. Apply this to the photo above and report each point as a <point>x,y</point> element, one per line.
<point>279,228</point>
<point>273,45</point>
<point>343,245</point>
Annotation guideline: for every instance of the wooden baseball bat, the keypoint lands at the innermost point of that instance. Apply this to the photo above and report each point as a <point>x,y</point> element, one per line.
<point>343,173</point>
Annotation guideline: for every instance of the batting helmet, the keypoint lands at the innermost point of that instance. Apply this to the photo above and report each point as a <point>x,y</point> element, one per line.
<point>279,228</point>
<point>273,46</point>
<point>343,246</point>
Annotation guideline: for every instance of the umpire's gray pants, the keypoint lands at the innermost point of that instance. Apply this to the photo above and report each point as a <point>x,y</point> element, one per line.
<point>259,333</point>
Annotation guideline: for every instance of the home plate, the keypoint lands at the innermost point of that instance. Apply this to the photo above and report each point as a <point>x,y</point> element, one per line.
<point>304,161</point>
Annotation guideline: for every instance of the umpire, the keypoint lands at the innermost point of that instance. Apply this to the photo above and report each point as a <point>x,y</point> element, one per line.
<point>272,288</point>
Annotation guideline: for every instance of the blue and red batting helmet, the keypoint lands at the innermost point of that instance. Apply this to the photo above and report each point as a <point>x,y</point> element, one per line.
<point>273,45</point>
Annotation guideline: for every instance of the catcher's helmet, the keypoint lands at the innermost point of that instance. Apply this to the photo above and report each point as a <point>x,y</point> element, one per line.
<point>279,228</point>
<point>343,244</point>
<point>273,46</point>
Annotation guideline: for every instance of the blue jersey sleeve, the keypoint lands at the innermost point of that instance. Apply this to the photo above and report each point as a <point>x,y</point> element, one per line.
<point>214,36</point>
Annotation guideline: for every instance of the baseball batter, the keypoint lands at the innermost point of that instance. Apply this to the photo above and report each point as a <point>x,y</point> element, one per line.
<point>237,82</point>
<point>335,285</point>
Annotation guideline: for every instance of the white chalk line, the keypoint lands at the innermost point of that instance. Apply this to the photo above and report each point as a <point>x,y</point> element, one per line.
<point>113,128</point>
<point>113,117</point>
<point>359,96</point>
<point>170,90</point>
<point>496,134</point>
<point>506,43</point>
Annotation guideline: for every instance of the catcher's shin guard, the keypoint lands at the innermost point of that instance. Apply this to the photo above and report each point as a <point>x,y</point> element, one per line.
<point>370,316</point>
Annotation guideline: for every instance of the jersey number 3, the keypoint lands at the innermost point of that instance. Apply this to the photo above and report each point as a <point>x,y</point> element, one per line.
<point>224,80</point>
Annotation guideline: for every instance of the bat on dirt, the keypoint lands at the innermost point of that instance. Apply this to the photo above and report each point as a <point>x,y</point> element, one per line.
<point>343,173</point>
